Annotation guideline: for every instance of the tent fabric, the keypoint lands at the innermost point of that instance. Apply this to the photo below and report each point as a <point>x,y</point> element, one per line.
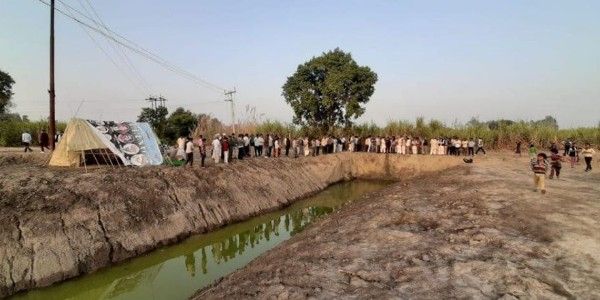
<point>78,136</point>
<point>133,143</point>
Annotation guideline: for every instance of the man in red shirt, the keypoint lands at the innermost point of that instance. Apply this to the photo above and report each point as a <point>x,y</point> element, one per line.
<point>225,148</point>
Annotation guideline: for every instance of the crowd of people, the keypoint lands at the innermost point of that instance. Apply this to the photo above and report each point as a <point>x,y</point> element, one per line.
<point>540,164</point>
<point>225,147</point>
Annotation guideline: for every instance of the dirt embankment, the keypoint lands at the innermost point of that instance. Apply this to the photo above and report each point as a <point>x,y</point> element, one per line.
<point>59,223</point>
<point>477,231</point>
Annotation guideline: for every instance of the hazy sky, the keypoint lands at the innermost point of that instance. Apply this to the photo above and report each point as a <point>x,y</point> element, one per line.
<point>449,60</point>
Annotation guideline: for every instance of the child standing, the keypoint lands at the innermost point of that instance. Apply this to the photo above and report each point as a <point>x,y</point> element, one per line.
<point>555,163</point>
<point>588,152</point>
<point>539,166</point>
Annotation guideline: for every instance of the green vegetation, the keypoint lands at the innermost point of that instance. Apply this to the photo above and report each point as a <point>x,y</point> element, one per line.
<point>6,83</point>
<point>13,125</point>
<point>329,90</point>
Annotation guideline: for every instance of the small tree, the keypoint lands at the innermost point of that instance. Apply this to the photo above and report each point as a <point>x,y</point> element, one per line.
<point>329,90</point>
<point>6,83</point>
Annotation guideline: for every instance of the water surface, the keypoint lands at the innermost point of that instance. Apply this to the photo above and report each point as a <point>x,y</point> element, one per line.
<point>176,272</point>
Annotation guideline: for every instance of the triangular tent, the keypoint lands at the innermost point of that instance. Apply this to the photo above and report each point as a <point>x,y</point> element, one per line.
<point>90,142</point>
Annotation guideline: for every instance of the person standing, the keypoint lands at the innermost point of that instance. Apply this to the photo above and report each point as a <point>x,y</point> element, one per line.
<point>433,146</point>
<point>480,146</point>
<point>287,143</point>
<point>259,143</point>
<point>216,149</point>
<point>539,166</point>
<point>202,148</point>
<point>189,152</point>
<point>225,148</point>
<point>44,140</point>
<point>572,155</point>
<point>271,142</point>
<point>555,163</point>
<point>471,147</point>
<point>518,148</point>
<point>246,140</point>
<point>588,152</point>
<point>532,151</point>
<point>26,140</point>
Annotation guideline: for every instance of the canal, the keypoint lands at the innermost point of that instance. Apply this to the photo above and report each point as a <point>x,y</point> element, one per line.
<point>176,272</point>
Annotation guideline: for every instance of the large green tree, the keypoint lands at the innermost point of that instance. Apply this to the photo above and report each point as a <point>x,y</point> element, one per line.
<point>181,122</point>
<point>6,83</point>
<point>329,90</point>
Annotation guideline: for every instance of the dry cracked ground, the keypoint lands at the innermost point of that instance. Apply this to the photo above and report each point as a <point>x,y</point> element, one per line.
<point>475,231</point>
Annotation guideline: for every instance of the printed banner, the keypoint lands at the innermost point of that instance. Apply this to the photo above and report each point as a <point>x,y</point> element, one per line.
<point>136,142</point>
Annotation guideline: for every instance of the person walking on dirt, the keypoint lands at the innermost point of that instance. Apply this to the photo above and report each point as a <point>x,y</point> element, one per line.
<point>480,146</point>
<point>189,152</point>
<point>532,151</point>
<point>518,149</point>
<point>568,145</point>
<point>555,163</point>
<point>573,155</point>
<point>588,152</point>
<point>26,140</point>
<point>44,140</point>
<point>539,166</point>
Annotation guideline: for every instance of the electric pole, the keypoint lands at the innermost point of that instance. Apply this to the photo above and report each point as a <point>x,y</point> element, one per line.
<point>51,91</point>
<point>229,99</point>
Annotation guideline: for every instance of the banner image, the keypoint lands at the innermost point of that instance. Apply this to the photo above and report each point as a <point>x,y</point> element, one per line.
<point>136,142</point>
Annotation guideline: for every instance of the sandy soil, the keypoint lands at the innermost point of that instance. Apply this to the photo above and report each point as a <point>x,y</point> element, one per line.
<point>476,231</point>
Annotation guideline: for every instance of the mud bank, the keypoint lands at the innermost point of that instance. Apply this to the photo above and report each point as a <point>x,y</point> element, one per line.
<point>476,232</point>
<point>56,224</point>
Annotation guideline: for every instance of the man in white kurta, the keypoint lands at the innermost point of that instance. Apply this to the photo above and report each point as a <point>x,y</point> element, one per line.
<point>216,149</point>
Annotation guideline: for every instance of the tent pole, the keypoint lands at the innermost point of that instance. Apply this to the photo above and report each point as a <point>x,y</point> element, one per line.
<point>106,158</point>
<point>84,164</point>
<point>96,159</point>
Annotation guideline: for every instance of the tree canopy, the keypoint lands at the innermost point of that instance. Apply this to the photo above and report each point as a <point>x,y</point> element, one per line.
<point>6,83</point>
<point>329,90</point>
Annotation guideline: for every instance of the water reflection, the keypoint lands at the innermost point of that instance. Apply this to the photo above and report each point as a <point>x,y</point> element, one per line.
<point>177,271</point>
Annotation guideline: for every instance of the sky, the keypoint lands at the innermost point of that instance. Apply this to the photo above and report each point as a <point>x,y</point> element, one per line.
<point>448,60</point>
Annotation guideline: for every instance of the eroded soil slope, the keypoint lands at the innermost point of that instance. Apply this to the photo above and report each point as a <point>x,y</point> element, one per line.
<point>478,231</point>
<point>59,223</point>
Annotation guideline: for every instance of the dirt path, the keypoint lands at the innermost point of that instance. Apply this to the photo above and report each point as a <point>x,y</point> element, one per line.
<point>477,231</point>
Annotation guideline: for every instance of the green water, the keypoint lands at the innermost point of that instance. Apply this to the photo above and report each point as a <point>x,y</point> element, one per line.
<point>176,272</point>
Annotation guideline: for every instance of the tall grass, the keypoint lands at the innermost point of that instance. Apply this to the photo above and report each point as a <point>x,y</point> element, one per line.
<point>502,135</point>
<point>11,130</point>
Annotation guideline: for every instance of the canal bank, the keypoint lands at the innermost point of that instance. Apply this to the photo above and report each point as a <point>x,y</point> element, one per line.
<point>58,224</point>
<point>177,271</point>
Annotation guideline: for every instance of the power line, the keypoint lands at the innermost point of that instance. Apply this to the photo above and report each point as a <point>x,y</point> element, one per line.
<point>136,48</point>
<point>97,44</point>
<point>118,49</point>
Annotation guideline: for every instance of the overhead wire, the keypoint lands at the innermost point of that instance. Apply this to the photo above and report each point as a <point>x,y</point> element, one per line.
<point>128,44</point>
<point>118,49</point>
<point>110,58</point>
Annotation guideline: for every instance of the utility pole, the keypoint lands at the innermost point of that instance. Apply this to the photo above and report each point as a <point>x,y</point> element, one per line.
<point>51,91</point>
<point>229,95</point>
<point>152,101</point>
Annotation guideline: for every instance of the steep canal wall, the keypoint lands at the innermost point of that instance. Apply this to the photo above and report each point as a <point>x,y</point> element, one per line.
<point>57,224</point>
